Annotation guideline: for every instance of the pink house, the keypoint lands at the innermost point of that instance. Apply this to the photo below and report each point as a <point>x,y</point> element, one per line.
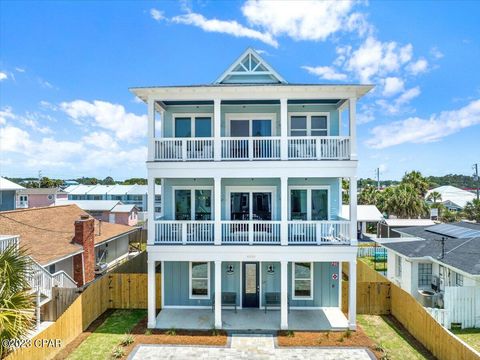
<point>39,197</point>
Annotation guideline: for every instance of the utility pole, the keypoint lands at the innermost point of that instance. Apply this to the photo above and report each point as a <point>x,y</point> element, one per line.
<point>378,178</point>
<point>39,177</point>
<point>475,177</point>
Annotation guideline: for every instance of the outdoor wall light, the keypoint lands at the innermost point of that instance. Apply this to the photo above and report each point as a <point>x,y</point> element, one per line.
<point>230,269</point>
<point>271,269</point>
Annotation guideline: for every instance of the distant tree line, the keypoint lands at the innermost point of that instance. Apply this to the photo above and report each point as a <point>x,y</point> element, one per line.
<point>46,182</point>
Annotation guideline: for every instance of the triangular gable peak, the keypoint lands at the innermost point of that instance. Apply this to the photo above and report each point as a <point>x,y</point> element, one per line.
<point>250,68</point>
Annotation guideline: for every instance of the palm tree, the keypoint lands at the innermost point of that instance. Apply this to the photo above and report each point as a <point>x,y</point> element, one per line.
<point>17,302</point>
<point>369,195</point>
<point>404,201</point>
<point>472,210</point>
<point>434,196</point>
<point>419,182</point>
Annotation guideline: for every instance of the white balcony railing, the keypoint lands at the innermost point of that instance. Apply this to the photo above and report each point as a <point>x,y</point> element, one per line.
<point>319,148</point>
<point>251,232</point>
<point>184,232</point>
<point>6,241</point>
<point>318,232</point>
<point>253,148</point>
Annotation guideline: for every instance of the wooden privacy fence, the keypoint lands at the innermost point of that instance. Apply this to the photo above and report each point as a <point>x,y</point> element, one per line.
<point>372,298</point>
<point>113,291</point>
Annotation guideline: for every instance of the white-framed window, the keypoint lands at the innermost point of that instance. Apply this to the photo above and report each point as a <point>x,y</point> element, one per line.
<point>251,202</point>
<point>23,198</point>
<point>309,203</point>
<point>199,275</point>
<point>193,202</point>
<point>398,266</point>
<point>424,274</point>
<point>309,124</point>
<point>250,125</point>
<point>192,125</point>
<point>458,279</point>
<point>302,281</point>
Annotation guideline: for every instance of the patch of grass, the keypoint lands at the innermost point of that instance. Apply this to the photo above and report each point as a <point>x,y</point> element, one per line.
<point>215,332</point>
<point>148,332</point>
<point>379,265</point>
<point>394,342</point>
<point>348,333</point>
<point>470,336</point>
<point>102,343</point>
<point>290,333</point>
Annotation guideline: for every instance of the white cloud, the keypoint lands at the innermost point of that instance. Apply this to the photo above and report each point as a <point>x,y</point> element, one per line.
<point>230,27</point>
<point>397,105</point>
<point>436,53</point>
<point>418,66</point>
<point>157,14</point>
<point>100,140</point>
<point>392,86</point>
<point>3,76</point>
<point>306,20</point>
<point>126,126</point>
<point>20,70</point>
<point>325,72</point>
<point>14,139</point>
<point>5,114</point>
<point>417,130</point>
<point>44,83</point>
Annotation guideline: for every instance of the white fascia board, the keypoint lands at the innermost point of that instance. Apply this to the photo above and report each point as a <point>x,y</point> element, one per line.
<point>318,253</point>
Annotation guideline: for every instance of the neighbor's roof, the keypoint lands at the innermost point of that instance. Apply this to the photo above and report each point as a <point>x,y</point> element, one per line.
<point>90,205</point>
<point>81,189</point>
<point>41,191</point>
<point>99,189</point>
<point>367,213</point>
<point>111,190</point>
<point>120,189</point>
<point>453,195</point>
<point>409,222</point>
<point>47,232</point>
<point>462,254</point>
<point>436,232</point>
<point>9,185</point>
<point>123,208</point>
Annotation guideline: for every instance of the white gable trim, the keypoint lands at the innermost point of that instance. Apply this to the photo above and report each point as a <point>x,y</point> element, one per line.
<point>230,71</point>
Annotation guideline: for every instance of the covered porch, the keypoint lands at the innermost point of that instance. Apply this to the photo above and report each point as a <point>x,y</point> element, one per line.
<point>325,319</point>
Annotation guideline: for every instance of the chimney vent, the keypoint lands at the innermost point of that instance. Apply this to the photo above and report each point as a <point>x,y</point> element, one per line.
<point>84,217</point>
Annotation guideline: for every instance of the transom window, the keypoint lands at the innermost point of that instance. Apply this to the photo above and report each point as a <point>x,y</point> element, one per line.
<point>193,203</point>
<point>302,274</point>
<point>199,280</point>
<point>313,124</point>
<point>424,274</point>
<point>309,204</point>
<point>193,126</point>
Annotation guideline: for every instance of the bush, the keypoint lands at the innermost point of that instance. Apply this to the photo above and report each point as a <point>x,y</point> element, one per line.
<point>127,340</point>
<point>118,353</point>
<point>171,332</point>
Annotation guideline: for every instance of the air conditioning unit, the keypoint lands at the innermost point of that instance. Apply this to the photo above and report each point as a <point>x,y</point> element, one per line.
<point>436,283</point>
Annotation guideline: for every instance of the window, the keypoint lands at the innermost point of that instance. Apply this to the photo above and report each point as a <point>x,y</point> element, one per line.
<point>50,197</point>
<point>249,124</point>
<point>199,280</point>
<point>51,269</point>
<point>458,279</point>
<point>398,266</point>
<point>314,124</point>
<point>302,280</point>
<point>193,204</point>
<point>193,126</point>
<point>309,204</point>
<point>424,274</point>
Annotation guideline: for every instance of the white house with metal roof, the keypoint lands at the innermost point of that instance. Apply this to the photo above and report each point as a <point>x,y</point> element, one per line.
<point>8,191</point>
<point>452,197</point>
<point>251,169</point>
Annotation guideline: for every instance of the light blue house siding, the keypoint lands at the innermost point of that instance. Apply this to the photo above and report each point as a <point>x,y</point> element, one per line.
<point>7,200</point>
<point>252,109</point>
<point>333,183</point>
<point>176,284</point>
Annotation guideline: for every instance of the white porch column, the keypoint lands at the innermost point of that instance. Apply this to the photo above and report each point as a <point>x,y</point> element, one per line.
<point>151,129</point>
<point>151,210</point>
<point>217,198</point>
<point>353,210</point>
<point>283,129</point>
<point>218,294</point>
<point>284,210</point>
<point>151,294</point>
<point>352,294</point>
<point>217,143</point>
<point>284,295</point>
<point>352,102</point>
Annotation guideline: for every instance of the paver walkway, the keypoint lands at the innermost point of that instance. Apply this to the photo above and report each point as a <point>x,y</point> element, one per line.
<point>245,347</point>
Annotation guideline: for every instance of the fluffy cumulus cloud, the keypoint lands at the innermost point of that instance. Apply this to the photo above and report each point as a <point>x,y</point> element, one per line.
<point>3,76</point>
<point>157,14</point>
<point>325,72</point>
<point>126,126</point>
<point>392,86</point>
<point>419,130</point>
<point>418,66</point>
<point>400,103</point>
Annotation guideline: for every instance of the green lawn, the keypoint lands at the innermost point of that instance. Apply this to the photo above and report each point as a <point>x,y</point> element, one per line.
<point>395,342</point>
<point>100,344</point>
<point>370,261</point>
<point>470,336</point>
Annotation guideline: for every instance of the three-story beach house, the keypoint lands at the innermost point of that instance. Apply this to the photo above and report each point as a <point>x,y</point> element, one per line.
<point>251,171</point>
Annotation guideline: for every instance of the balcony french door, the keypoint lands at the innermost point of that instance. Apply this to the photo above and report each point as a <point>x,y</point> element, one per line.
<point>245,147</point>
<point>251,206</point>
<point>193,204</point>
<point>309,204</point>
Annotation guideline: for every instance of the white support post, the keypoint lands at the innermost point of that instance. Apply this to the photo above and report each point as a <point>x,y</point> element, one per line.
<point>151,210</point>
<point>217,198</point>
<point>284,211</point>
<point>217,118</point>
<point>151,294</point>
<point>284,295</point>
<point>151,129</point>
<point>218,294</point>
<point>284,129</point>
<point>352,294</point>
<point>352,102</point>
<point>353,211</point>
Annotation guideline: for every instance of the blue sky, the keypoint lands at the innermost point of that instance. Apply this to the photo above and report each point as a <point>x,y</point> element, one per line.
<point>65,70</point>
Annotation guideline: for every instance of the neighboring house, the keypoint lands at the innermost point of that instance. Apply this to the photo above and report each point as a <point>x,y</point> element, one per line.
<point>127,194</point>
<point>251,169</point>
<point>452,197</point>
<point>8,190</point>
<point>386,228</point>
<point>39,197</point>
<point>112,211</point>
<point>366,214</point>
<point>67,238</point>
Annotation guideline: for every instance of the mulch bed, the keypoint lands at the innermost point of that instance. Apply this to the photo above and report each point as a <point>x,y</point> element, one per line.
<point>336,339</point>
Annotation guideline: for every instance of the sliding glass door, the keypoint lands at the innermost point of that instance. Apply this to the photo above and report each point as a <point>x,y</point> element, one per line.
<point>193,204</point>
<point>251,206</point>
<point>309,204</point>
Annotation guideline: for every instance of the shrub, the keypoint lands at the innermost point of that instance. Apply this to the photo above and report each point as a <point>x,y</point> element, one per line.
<point>118,353</point>
<point>215,332</point>
<point>290,333</point>
<point>348,333</point>
<point>171,332</point>
<point>148,332</point>
<point>127,340</point>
